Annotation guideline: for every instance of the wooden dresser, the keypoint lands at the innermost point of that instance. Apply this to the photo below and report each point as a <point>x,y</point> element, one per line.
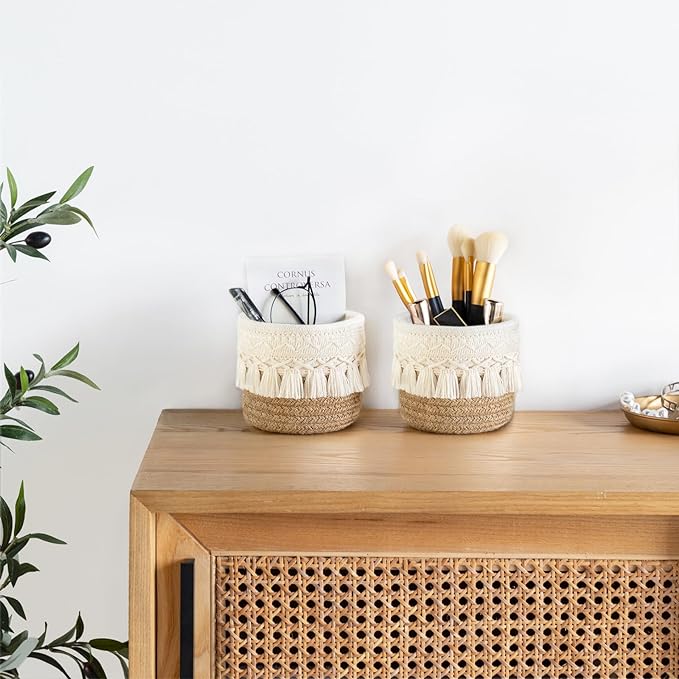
<point>547,549</point>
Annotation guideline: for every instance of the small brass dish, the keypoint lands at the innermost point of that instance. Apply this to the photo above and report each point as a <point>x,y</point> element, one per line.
<point>660,425</point>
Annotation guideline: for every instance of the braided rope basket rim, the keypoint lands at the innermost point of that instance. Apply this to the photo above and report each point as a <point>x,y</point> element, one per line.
<point>300,416</point>
<point>456,416</point>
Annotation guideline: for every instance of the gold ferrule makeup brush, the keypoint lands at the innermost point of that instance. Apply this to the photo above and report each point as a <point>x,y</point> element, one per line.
<point>431,290</point>
<point>468,252</point>
<point>490,247</point>
<point>456,239</point>
<point>406,284</point>
<point>403,292</point>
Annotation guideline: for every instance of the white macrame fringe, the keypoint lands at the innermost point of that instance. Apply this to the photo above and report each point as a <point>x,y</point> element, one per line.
<point>470,384</point>
<point>297,383</point>
<point>396,373</point>
<point>408,379</point>
<point>447,385</point>
<point>511,377</point>
<point>363,370</point>
<point>291,384</point>
<point>425,384</point>
<point>492,382</point>
<point>316,384</point>
<point>241,372</point>
<point>252,378</point>
<point>338,383</point>
<point>269,383</point>
<point>474,382</point>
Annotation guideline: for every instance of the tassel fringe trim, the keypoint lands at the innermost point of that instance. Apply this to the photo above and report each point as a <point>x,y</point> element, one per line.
<point>475,382</point>
<point>298,383</point>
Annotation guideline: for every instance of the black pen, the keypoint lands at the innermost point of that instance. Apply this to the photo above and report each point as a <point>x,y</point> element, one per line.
<point>246,305</point>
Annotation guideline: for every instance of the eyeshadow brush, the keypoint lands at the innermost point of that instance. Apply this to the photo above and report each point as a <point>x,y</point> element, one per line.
<point>431,290</point>
<point>456,239</point>
<point>402,288</point>
<point>406,284</point>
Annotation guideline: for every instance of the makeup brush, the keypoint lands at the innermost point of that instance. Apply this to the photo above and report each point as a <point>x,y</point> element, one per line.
<point>406,284</point>
<point>431,290</point>
<point>404,293</point>
<point>456,238</point>
<point>490,247</point>
<point>468,252</point>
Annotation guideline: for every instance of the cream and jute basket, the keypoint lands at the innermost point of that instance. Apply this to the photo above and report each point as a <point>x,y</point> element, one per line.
<point>454,380</point>
<point>302,379</point>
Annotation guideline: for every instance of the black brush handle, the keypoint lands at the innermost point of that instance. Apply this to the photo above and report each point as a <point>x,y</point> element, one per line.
<point>435,305</point>
<point>467,303</point>
<point>460,307</point>
<point>475,314</point>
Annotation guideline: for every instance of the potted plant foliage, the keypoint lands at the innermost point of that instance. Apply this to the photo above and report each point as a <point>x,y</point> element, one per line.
<point>37,388</point>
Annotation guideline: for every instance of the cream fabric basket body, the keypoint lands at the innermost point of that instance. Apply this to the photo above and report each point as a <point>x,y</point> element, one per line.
<point>456,380</point>
<point>302,379</point>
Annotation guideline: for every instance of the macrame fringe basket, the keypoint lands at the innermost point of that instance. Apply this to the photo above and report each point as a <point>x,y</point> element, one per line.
<point>302,379</point>
<point>454,380</point>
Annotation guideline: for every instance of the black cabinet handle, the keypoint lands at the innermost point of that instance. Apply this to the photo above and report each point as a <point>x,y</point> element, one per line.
<point>186,589</point>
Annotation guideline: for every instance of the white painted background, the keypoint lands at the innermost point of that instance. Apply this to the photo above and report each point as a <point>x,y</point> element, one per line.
<point>226,129</point>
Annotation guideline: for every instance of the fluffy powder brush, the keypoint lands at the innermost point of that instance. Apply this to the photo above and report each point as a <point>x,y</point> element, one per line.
<point>489,248</point>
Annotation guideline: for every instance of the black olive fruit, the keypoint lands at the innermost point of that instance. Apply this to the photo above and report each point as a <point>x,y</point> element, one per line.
<point>17,377</point>
<point>38,239</point>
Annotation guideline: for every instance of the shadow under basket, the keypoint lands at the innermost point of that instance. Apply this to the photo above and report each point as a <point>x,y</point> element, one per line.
<point>456,380</point>
<point>302,379</point>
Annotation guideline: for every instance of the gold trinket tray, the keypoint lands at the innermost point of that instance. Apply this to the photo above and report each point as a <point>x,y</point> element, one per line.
<point>659,425</point>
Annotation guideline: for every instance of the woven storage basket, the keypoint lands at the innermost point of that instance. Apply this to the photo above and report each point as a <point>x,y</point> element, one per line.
<point>456,380</point>
<point>302,379</point>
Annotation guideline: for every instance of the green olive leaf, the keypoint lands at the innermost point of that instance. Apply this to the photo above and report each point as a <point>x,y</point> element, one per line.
<point>78,185</point>
<point>6,521</point>
<point>19,511</point>
<point>31,204</point>
<point>68,358</point>
<point>30,251</point>
<point>39,403</point>
<point>12,431</point>
<point>74,376</point>
<point>54,390</point>
<point>84,215</point>
<point>12,188</point>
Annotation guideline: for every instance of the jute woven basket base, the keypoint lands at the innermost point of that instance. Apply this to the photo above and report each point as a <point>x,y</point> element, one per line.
<point>300,416</point>
<point>459,416</point>
<point>362,617</point>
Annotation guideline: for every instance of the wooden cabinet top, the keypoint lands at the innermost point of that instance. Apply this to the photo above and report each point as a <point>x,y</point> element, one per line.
<point>210,461</point>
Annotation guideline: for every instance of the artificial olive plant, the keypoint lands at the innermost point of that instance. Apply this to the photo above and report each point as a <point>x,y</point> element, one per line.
<point>21,233</point>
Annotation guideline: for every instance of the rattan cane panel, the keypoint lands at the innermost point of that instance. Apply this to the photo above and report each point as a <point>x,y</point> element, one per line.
<point>444,618</point>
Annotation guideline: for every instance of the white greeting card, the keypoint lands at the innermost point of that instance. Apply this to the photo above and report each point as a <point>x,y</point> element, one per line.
<point>294,277</point>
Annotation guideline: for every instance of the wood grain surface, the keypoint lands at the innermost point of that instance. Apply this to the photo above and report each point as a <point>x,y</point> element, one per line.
<point>542,463</point>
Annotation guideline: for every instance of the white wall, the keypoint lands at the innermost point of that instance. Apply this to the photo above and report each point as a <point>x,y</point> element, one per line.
<point>226,129</point>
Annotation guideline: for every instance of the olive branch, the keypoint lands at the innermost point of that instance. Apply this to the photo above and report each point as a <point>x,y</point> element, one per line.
<point>27,388</point>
